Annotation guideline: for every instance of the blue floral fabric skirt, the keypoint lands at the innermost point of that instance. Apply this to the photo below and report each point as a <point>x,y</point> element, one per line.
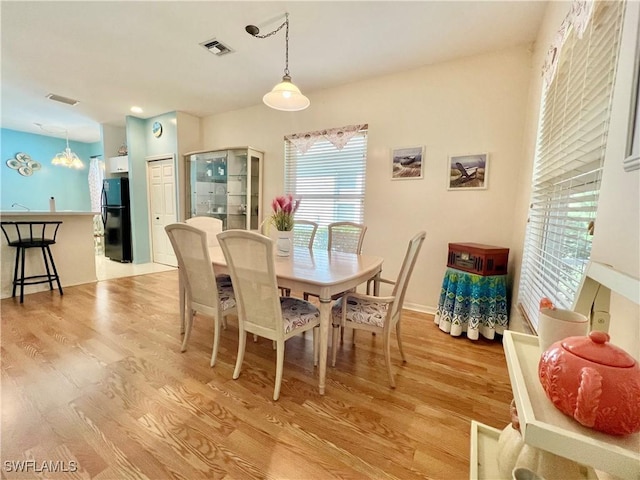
<point>473,304</point>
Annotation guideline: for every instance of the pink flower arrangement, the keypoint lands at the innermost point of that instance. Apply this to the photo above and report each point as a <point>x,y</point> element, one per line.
<point>284,207</point>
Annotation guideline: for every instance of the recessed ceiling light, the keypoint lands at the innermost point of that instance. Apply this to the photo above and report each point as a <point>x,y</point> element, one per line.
<point>136,110</point>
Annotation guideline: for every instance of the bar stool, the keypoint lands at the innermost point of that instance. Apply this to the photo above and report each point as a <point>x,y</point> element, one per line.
<point>25,235</point>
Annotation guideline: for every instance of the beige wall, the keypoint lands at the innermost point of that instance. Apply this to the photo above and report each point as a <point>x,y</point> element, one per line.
<point>189,140</point>
<point>472,105</point>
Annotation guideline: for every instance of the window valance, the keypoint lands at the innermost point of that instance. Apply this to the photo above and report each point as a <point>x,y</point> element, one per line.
<point>338,137</point>
<point>578,19</point>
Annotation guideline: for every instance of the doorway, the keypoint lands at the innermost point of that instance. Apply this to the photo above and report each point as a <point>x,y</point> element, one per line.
<point>161,179</point>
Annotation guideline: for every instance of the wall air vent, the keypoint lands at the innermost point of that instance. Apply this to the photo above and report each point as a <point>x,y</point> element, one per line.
<point>61,99</point>
<point>216,47</point>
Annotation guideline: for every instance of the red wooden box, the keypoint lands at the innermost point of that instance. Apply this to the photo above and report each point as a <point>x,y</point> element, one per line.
<point>477,258</point>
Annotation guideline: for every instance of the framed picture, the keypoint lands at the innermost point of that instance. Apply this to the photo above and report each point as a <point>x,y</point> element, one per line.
<point>468,172</point>
<point>406,163</point>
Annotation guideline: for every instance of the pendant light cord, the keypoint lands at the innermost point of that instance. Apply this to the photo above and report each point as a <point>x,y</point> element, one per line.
<point>286,57</point>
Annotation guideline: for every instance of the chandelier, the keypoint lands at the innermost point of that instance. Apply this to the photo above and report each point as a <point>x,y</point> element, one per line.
<point>67,158</point>
<point>285,95</point>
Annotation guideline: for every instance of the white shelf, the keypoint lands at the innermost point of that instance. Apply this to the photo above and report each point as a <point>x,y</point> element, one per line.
<point>544,426</point>
<point>484,452</point>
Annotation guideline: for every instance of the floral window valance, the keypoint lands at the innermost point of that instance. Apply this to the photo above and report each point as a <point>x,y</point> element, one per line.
<point>578,19</point>
<point>338,137</point>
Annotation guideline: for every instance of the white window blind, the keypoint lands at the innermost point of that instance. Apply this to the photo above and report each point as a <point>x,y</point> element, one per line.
<point>330,182</point>
<point>572,136</point>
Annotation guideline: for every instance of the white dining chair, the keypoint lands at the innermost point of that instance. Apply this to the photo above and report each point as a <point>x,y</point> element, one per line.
<point>211,225</point>
<point>261,310</point>
<point>380,315</point>
<point>345,237</point>
<point>304,233</point>
<point>205,293</point>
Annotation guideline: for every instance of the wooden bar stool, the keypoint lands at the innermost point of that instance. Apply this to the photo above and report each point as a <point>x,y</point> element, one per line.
<point>25,235</point>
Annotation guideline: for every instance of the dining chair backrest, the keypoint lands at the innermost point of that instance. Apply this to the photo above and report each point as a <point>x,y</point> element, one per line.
<point>250,260</point>
<point>400,288</point>
<point>211,225</point>
<point>190,244</point>
<point>346,237</point>
<point>304,233</point>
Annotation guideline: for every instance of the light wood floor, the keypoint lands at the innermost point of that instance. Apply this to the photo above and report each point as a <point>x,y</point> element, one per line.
<point>95,379</point>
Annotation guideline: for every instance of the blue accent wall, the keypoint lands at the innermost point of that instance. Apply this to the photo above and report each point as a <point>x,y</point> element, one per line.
<point>142,144</point>
<point>69,186</point>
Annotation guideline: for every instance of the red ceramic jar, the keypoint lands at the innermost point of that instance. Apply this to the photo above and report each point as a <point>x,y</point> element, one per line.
<point>596,383</point>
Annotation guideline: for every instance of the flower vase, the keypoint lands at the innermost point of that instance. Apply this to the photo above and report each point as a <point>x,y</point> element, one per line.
<point>283,243</point>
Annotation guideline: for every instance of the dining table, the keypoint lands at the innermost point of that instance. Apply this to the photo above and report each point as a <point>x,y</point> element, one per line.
<point>322,273</point>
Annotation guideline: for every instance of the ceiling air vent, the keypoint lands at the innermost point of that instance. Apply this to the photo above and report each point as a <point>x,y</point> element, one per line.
<point>216,47</point>
<point>61,99</point>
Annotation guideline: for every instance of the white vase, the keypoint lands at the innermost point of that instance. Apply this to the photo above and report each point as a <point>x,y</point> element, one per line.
<point>283,243</point>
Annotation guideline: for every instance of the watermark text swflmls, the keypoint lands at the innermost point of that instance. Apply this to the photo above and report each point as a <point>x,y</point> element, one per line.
<point>44,466</point>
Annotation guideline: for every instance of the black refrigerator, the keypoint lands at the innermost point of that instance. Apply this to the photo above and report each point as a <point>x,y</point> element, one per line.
<point>116,217</point>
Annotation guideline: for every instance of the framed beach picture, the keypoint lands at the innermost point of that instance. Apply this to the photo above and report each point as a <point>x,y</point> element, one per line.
<point>468,172</point>
<point>406,163</point>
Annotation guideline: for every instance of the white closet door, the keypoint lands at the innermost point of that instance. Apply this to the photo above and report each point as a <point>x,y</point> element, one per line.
<point>162,208</point>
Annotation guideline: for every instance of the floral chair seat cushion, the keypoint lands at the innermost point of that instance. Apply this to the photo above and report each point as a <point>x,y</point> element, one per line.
<point>225,292</point>
<point>360,311</point>
<point>297,312</point>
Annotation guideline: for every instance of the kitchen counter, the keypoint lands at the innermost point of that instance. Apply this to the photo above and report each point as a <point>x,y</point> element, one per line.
<point>33,213</point>
<point>74,251</point>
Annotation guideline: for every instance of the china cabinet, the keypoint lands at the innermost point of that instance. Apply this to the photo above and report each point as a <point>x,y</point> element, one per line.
<point>226,184</point>
<point>541,424</point>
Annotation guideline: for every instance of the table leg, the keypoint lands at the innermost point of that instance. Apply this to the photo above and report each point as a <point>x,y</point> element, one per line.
<point>325,321</point>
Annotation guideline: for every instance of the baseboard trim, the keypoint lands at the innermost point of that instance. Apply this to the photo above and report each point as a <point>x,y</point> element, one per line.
<point>420,308</point>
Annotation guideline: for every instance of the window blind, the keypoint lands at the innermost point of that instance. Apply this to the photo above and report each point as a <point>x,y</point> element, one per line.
<point>330,182</point>
<point>570,150</point>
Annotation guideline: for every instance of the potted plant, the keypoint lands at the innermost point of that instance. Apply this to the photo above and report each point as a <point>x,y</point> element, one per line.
<point>284,208</point>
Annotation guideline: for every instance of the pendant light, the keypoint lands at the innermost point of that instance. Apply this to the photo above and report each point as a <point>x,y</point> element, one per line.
<point>285,95</point>
<point>67,158</point>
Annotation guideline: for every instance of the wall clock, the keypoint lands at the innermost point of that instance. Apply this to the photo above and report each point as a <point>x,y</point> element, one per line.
<point>156,129</point>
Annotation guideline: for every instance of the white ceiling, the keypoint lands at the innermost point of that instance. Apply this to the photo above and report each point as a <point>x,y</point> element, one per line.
<point>113,55</point>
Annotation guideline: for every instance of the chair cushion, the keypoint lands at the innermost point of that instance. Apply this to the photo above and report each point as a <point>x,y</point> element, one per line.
<point>360,311</point>
<point>297,312</point>
<point>225,292</point>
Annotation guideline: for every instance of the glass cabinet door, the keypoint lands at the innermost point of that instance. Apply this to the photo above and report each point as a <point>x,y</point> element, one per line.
<point>226,184</point>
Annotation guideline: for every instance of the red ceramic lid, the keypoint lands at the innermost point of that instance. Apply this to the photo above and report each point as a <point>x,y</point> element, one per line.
<point>597,349</point>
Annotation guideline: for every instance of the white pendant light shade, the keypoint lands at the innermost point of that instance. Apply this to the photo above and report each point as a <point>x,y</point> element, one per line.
<point>67,158</point>
<point>286,96</point>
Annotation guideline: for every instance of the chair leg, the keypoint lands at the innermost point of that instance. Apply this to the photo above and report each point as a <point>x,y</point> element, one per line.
<point>334,344</point>
<point>316,345</point>
<point>15,271</point>
<point>242,342</point>
<point>216,338</point>
<point>22,276</point>
<point>182,293</point>
<point>189,320</point>
<point>55,270</point>
<point>399,339</point>
<point>46,267</point>
<point>387,359</point>
<point>279,368</point>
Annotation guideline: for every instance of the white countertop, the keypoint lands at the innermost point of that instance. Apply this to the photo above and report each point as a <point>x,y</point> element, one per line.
<point>35,213</point>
